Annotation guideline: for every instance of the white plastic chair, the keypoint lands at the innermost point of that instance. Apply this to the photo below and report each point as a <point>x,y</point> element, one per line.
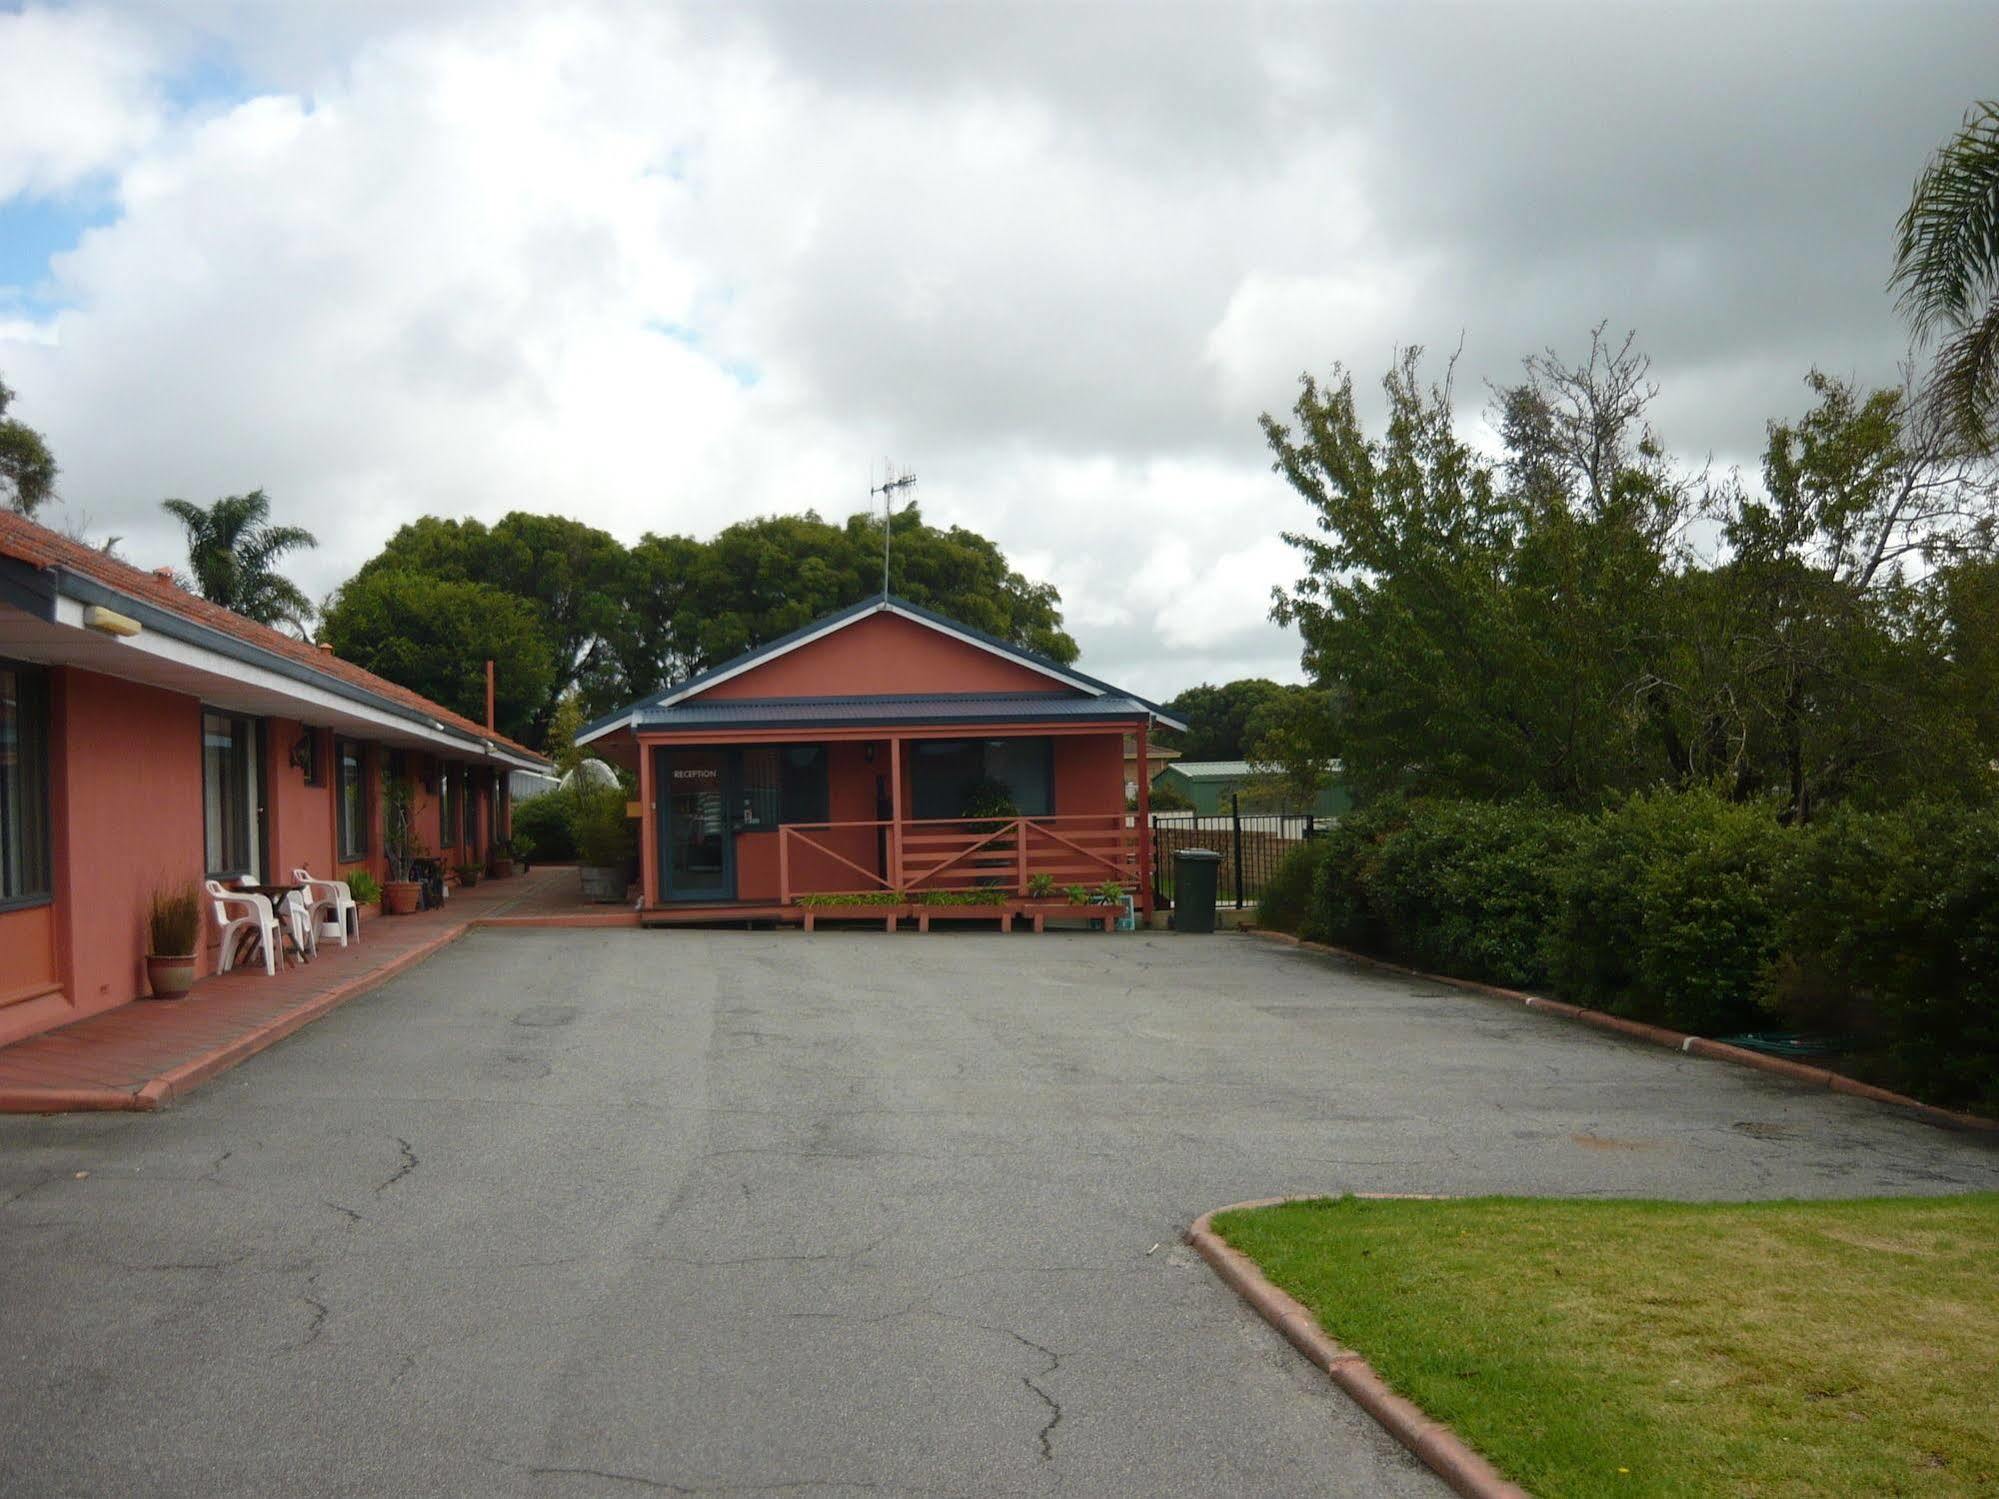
<point>257,917</point>
<point>332,897</point>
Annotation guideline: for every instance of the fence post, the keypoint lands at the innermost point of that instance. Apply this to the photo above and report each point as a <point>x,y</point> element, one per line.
<point>1235,837</point>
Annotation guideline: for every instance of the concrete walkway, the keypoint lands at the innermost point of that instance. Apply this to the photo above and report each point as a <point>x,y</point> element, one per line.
<point>608,1213</point>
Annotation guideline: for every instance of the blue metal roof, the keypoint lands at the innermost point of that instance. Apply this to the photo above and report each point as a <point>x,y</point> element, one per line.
<point>889,710</point>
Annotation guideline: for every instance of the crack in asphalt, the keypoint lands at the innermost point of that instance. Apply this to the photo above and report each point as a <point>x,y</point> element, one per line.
<point>319,1315</point>
<point>408,1165</point>
<point>1046,1436</point>
<point>347,1213</point>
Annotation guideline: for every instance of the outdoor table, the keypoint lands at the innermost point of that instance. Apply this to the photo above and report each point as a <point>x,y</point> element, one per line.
<point>278,895</point>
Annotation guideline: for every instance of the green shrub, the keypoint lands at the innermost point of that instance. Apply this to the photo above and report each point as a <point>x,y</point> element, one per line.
<point>603,834</point>
<point>1669,912</point>
<point>1340,910</point>
<point>547,823</point>
<point>864,898</point>
<point>991,895</point>
<point>1472,888</point>
<point>1287,894</point>
<point>1890,934</point>
<point>363,887</point>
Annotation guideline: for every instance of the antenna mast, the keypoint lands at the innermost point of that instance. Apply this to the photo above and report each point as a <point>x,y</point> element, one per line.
<point>891,482</point>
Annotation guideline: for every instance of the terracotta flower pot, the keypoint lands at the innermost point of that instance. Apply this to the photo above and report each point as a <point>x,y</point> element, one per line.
<point>169,977</point>
<point>400,897</point>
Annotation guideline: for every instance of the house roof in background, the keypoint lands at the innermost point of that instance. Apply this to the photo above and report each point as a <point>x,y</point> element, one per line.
<point>912,710</point>
<point>71,561</point>
<point>825,625</point>
<point>1227,770</point>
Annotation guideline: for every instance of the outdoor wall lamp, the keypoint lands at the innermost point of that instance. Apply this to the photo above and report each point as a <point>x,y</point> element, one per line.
<point>868,752</point>
<point>109,622</point>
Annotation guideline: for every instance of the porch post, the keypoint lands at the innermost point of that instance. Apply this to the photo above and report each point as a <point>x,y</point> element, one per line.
<point>1144,825</point>
<point>895,814</point>
<point>648,830</point>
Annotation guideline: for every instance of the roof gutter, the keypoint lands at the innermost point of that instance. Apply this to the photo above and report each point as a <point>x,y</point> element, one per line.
<point>89,591</point>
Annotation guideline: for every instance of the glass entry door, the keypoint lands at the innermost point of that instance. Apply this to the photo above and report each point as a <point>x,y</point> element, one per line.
<point>697,836</point>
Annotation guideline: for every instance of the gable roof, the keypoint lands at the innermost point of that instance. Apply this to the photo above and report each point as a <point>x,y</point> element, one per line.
<point>636,714</point>
<point>88,575</point>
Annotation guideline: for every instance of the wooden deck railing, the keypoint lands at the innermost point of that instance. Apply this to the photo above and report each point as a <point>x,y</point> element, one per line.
<point>960,854</point>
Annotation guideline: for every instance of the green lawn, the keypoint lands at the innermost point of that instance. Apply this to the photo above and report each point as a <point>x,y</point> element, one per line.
<point>1656,1348</point>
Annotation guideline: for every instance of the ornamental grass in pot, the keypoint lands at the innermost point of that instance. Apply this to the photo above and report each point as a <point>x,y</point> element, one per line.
<point>401,848</point>
<point>173,929</point>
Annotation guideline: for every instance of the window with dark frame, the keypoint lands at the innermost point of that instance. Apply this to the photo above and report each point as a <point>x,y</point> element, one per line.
<point>229,788</point>
<point>447,809</point>
<point>944,771</point>
<point>350,765</point>
<point>24,784</point>
<point>783,783</point>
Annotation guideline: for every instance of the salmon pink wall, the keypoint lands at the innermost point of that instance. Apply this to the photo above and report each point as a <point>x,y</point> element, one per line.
<point>128,819</point>
<point>883,653</point>
<point>301,816</point>
<point>1089,773</point>
<point>28,970</point>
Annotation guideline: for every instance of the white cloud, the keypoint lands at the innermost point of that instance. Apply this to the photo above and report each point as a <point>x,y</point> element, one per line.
<point>79,95</point>
<point>665,268</point>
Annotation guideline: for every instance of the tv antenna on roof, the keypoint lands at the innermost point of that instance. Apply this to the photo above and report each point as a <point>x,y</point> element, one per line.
<point>891,482</point>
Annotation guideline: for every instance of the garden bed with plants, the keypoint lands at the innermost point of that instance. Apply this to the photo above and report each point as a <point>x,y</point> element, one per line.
<point>1639,1349</point>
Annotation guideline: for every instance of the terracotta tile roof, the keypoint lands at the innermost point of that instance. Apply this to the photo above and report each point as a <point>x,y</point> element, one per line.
<point>38,546</point>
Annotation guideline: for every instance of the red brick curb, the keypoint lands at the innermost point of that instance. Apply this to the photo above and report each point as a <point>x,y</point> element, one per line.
<point>580,919</point>
<point>1698,1046</point>
<point>1440,1448</point>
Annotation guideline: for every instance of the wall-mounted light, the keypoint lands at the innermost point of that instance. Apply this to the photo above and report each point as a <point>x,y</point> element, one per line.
<point>109,622</point>
<point>868,752</point>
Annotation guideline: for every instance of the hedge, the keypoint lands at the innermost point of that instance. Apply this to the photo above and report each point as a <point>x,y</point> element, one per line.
<point>1692,911</point>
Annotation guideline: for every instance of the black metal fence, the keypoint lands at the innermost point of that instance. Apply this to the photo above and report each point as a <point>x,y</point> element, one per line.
<point>1252,845</point>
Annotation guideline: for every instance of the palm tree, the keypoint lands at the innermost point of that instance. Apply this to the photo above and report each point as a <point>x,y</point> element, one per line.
<point>232,546</point>
<point>1947,266</point>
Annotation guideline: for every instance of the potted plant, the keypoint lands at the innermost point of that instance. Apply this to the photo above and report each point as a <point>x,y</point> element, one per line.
<point>887,906</point>
<point>605,844</point>
<point>987,806</point>
<point>468,874</point>
<point>173,928</point>
<point>1045,899</point>
<point>367,894</point>
<point>521,846</point>
<point>401,893</point>
<point>499,860</point>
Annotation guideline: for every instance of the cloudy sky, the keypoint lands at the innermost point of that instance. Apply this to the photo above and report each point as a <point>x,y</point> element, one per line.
<point>661,267</point>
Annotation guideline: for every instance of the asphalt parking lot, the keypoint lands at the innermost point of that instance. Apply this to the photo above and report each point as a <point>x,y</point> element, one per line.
<point>616,1212</point>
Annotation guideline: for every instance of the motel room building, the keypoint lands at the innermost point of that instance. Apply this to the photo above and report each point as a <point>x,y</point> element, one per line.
<point>149,738</point>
